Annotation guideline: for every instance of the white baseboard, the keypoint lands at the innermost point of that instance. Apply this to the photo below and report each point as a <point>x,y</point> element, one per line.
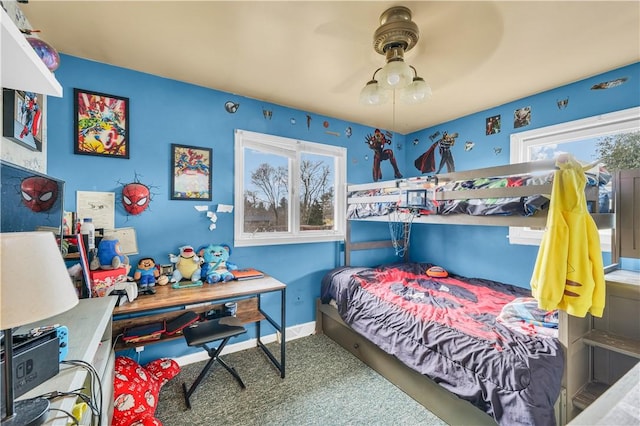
<point>292,333</point>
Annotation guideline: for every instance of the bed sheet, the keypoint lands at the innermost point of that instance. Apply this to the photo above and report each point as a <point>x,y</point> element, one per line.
<point>505,206</point>
<point>447,329</point>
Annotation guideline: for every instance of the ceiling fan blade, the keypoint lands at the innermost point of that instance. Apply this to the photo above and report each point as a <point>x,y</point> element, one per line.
<point>342,30</point>
<point>448,29</point>
<point>358,77</point>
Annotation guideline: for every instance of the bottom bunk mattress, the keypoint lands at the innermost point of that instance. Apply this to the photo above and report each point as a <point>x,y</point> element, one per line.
<point>451,330</point>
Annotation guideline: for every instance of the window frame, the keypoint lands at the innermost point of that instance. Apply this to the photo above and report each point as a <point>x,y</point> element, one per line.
<point>626,120</point>
<point>292,149</point>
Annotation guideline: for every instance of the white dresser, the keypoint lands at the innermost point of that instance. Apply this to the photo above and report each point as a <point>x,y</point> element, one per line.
<point>89,325</point>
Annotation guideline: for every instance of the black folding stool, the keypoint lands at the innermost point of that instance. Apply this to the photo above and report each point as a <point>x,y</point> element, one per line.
<point>200,335</point>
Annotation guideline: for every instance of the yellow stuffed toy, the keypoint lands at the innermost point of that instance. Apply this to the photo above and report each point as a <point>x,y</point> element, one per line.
<point>187,265</point>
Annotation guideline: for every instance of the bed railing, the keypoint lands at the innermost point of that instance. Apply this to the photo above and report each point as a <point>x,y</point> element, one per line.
<point>394,193</point>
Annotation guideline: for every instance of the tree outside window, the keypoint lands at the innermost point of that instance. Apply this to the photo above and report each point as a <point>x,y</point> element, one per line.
<point>274,170</point>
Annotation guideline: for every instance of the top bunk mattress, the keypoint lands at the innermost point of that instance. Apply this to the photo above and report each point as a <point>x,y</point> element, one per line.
<point>518,195</point>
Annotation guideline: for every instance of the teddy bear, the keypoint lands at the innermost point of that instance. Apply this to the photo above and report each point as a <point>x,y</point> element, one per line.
<point>187,265</point>
<point>147,273</point>
<point>109,255</point>
<point>215,263</point>
<point>136,390</point>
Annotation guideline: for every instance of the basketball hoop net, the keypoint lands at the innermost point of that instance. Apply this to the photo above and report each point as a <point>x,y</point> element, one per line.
<point>400,221</point>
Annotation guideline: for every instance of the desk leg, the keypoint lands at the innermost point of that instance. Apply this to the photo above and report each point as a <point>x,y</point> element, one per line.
<point>283,326</point>
<point>280,365</point>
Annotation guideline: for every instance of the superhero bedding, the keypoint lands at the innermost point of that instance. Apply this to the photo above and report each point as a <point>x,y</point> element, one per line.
<point>445,204</point>
<point>481,340</point>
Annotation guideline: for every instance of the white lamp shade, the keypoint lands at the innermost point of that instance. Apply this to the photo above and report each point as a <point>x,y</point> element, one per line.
<point>416,92</point>
<point>395,75</point>
<point>372,94</point>
<point>34,282</point>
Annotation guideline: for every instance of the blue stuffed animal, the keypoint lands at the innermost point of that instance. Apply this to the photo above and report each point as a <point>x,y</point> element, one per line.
<point>215,263</point>
<point>109,255</point>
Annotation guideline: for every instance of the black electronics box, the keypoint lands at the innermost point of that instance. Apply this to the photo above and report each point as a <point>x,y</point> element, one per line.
<point>35,361</point>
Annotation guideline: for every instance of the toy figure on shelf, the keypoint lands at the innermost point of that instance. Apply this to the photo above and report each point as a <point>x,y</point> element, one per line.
<point>31,113</point>
<point>187,265</point>
<point>109,256</point>
<point>216,266</point>
<point>147,275</point>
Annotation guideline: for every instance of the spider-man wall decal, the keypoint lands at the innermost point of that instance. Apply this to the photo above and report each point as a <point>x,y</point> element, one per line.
<point>38,193</point>
<point>136,197</point>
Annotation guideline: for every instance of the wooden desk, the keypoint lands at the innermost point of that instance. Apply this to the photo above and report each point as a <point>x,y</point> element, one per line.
<point>202,299</point>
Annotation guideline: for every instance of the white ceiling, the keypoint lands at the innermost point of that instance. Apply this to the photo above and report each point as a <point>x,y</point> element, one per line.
<point>316,56</point>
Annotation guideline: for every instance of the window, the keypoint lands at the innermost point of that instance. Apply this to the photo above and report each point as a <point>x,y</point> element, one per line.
<point>287,191</point>
<point>584,140</point>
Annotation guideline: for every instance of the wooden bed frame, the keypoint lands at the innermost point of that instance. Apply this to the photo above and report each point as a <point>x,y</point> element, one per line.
<point>434,397</point>
<point>438,400</point>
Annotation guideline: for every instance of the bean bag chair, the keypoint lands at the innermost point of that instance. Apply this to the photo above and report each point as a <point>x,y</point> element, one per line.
<point>136,390</point>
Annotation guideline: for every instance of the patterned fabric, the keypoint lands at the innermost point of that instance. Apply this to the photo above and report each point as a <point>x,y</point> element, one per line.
<point>136,390</point>
<point>447,329</point>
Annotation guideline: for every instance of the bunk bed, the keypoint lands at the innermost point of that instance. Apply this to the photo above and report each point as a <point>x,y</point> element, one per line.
<point>380,314</point>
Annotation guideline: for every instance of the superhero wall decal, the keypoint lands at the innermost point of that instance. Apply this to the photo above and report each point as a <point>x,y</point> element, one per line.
<point>426,163</point>
<point>38,193</point>
<point>136,197</point>
<point>378,142</point>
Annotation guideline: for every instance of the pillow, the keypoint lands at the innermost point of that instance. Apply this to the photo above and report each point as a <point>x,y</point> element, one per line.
<point>136,390</point>
<point>523,315</point>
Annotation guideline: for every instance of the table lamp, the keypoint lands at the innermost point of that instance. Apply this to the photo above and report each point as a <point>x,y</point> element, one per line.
<point>34,285</point>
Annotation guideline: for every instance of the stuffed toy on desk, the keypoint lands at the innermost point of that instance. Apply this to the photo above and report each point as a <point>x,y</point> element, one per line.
<point>215,263</point>
<point>109,256</point>
<point>147,273</point>
<point>187,265</point>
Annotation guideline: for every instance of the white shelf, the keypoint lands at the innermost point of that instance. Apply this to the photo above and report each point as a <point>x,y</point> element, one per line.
<point>22,68</point>
<point>87,323</point>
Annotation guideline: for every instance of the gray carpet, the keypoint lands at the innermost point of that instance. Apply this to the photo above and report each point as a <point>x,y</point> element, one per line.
<point>324,385</point>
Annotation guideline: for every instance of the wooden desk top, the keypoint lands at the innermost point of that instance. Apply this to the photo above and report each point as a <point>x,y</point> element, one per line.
<point>167,297</point>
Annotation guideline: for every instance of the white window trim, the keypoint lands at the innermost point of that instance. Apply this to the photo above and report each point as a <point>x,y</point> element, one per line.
<point>292,149</point>
<point>601,125</point>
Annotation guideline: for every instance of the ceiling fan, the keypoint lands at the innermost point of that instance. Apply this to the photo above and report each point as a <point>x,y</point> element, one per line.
<point>396,35</point>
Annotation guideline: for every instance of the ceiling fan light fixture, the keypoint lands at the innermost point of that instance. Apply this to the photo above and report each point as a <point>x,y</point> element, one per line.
<point>418,91</point>
<point>396,74</point>
<point>373,94</point>
<point>396,35</point>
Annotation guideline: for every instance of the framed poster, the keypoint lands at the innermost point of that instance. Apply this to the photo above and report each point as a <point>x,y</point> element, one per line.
<point>22,118</point>
<point>190,172</point>
<point>101,124</point>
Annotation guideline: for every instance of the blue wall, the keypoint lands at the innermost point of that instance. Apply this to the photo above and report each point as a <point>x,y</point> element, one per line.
<point>482,251</point>
<point>164,111</point>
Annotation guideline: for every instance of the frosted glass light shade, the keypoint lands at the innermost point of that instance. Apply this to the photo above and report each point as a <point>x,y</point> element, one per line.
<point>395,75</point>
<point>373,94</point>
<point>34,282</point>
<point>416,92</point>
